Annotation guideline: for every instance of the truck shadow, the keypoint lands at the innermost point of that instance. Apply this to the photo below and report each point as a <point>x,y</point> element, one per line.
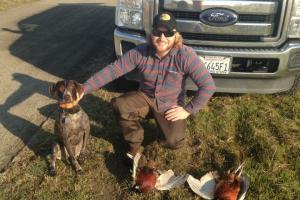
<point>59,39</point>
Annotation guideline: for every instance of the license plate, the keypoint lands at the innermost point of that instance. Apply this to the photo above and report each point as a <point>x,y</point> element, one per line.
<point>217,64</point>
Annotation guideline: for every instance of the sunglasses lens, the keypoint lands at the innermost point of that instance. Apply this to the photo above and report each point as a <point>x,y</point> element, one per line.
<point>169,33</point>
<point>157,33</point>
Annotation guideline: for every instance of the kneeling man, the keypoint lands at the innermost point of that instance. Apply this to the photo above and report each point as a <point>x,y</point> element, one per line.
<point>164,63</point>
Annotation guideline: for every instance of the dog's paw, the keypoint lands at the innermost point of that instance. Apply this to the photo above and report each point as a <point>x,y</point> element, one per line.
<point>79,171</point>
<point>77,167</point>
<point>52,172</point>
<point>81,159</point>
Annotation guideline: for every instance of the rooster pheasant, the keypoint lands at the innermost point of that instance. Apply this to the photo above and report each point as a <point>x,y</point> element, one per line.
<point>228,188</point>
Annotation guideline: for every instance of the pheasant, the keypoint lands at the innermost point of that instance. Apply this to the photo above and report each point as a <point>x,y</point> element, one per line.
<point>147,178</point>
<point>228,188</point>
<point>233,186</point>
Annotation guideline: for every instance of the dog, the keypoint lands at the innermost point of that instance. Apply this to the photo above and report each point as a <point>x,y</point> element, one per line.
<point>72,125</point>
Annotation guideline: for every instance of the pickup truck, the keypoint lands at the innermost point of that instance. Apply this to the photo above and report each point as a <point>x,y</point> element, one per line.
<point>249,46</point>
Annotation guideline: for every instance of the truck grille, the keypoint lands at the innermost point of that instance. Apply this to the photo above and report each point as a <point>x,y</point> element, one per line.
<point>214,37</point>
<point>194,16</point>
<point>256,20</point>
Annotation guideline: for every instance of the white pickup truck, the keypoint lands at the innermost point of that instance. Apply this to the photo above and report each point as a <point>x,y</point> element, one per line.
<point>249,46</point>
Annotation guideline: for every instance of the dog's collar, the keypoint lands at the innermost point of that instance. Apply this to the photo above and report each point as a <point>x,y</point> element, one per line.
<point>68,105</point>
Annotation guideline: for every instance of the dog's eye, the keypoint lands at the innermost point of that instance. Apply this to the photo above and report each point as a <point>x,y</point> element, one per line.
<point>60,95</point>
<point>60,91</point>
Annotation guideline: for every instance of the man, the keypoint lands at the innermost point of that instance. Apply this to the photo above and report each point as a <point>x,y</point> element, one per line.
<point>164,64</point>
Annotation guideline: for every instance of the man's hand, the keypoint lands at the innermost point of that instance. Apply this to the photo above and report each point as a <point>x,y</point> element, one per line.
<point>176,113</point>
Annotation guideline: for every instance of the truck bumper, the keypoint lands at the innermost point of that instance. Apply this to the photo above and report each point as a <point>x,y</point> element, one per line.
<point>236,82</point>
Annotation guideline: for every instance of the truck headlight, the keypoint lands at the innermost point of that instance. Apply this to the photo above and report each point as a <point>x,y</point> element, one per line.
<point>294,28</point>
<point>129,14</point>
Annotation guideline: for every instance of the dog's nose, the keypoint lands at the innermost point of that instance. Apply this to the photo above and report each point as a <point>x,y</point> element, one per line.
<point>67,97</point>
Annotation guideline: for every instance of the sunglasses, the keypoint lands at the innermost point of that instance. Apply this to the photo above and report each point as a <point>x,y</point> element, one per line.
<point>157,33</point>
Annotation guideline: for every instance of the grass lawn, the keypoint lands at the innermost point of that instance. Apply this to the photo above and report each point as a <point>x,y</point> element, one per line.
<point>262,130</point>
<point>6,4</point>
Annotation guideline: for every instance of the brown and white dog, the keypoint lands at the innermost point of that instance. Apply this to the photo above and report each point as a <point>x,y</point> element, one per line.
<point>72,124</point>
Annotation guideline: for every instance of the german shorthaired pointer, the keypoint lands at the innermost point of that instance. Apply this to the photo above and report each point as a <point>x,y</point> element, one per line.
<point>72,125</point>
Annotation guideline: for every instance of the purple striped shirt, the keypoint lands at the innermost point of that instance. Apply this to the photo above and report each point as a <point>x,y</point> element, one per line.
<point>162,79</point>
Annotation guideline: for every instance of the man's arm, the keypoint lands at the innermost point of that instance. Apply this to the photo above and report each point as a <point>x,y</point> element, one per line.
<point>121,66</point>
<point>197,71</point>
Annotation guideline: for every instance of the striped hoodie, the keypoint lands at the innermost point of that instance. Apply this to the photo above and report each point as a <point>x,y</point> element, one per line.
<point>162,79</point>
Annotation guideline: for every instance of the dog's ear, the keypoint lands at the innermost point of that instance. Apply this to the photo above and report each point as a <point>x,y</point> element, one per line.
<point>79,89</point>
<point>52,91</point>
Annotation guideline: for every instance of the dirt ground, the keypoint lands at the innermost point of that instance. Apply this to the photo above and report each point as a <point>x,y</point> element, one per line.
<point>7,4</point>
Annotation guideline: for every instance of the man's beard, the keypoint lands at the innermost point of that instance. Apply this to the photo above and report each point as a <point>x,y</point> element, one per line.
<point>166,47</point>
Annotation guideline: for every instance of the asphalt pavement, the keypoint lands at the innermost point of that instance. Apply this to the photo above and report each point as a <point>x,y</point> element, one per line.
<point>41,43</point>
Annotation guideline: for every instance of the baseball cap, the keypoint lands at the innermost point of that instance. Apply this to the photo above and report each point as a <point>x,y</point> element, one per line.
<point>164,19</point>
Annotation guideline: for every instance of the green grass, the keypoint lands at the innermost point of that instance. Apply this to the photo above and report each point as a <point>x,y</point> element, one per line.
<point>7,4</point>
<point>262,130</point>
